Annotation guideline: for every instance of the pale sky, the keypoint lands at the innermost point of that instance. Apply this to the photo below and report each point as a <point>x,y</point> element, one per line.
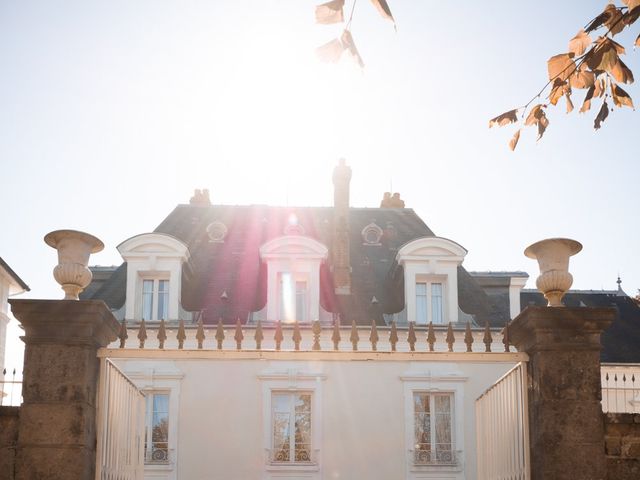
<point>111,113</point>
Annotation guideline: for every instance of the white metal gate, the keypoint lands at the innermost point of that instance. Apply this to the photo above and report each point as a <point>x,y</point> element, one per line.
<point>120,426</point>
<point>502,428</point>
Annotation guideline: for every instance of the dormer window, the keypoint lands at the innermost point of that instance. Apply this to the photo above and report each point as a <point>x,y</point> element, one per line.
<point>431,279</point>
<point>154,276</point>
<point>155,299</point>
<point>293,278</point>
<point>429,306</point>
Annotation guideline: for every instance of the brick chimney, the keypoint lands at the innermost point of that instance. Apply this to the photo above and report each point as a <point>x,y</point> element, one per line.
<point>340,236</point>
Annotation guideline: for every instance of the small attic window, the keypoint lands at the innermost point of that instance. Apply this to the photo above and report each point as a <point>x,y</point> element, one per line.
<point>371,234</point>
<point>217,231</point>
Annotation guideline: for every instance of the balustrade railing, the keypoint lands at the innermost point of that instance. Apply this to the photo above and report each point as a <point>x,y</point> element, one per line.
<point>620,388</point>
<point>10,388</point>
<point>120,424</point>
<point>502,428</point>
<point>313,337</point>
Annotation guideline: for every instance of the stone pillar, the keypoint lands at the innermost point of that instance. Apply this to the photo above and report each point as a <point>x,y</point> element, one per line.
<point>57,433</point>
<point>565,415</point>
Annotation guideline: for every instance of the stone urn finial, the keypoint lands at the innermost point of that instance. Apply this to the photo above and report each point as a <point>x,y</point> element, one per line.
<point>553,257</point>
<point>74,249</point>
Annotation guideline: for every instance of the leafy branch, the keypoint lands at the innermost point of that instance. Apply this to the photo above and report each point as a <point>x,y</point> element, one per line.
<point>333,12</point>
<point>593,65</point>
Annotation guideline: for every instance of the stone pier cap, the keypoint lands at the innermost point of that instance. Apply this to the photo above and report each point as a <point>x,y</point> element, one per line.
<point>84,322</point>
<point>536,327</point>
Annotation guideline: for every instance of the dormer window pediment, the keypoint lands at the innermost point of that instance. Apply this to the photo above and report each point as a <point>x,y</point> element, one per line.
<point>154,271</point>
<point>431,279</point>
<point>293,277</point>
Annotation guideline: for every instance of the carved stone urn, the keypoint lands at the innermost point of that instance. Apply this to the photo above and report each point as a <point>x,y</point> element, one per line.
<point>74,248</point>
<point>553,258</point>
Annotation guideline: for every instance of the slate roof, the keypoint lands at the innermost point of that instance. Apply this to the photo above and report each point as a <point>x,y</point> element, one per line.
<point>621,341</point>
<point>234,265</point>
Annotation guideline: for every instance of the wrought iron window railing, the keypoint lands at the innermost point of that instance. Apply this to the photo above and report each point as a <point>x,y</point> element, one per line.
<point>443,455</point>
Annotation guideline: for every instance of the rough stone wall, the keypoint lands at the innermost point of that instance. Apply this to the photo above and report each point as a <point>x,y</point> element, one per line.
<point>622,445</point>
<point>9,421</point>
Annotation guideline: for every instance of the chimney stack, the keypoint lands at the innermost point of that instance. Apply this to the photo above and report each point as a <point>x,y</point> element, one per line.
<point>341,262</point>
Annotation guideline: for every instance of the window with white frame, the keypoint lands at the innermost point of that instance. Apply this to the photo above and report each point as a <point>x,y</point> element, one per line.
<point>429,304</point>
<point>294,293</point>
<point>432,421</point>
<point>292,421</point>
<point>156,444</point>
<point>155,299</point>
<point>291,433</point>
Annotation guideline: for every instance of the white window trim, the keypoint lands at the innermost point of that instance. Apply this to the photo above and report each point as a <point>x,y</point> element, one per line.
<point>429,280</point>
<point>443,380</point>
<point>155,277</point>
<point>292,379</point>
<point>293,293</point>
<point>150,377</point>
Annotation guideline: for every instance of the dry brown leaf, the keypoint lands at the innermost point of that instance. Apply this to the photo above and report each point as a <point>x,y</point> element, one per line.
<point>383,7</point>
<point>567,96</point>
<point>542,125</point>
<point>330,12</point>
<point>600,88</point>
<point>620,97</point>
<point>504,119</point>
<point>582,78</point>
<point>631,4</point>
<point>631,16</point>
<point>538,117</point>
<point>350,46</point>
<point>534,115</point>
<point>614,20</point>
<point>557,90</point>
<point>602,115</point>
<point>621,72</point>
<point>561,66</point>
<point>578,44</point>
<point>598,21</point>
<point>330,52</point>
<point>514,140</point>
<point>637,42</point>
<point>603,56</point>
<point>586,104</point>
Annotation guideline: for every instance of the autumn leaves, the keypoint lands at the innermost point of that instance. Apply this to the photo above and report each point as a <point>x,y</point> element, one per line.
<point>333,12</point>
<point>594,66</point>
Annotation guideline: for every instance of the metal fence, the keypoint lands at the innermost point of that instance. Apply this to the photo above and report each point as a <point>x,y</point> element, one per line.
<point>502,428</point>
<point>10,388</point>
<point>120,423</point>
<point>620,388</point>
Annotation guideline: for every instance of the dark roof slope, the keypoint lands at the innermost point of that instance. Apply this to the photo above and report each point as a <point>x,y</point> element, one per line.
<point>621,341</point>
<point>234,266</point>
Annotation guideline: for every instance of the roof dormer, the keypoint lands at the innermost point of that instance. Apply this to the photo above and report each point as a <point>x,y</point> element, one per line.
<point>431,279</point>
<point>293,277</point>
<point>154,276</point>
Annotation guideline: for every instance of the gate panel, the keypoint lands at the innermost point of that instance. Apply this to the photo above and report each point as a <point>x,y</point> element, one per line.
<point>502,428</point>
<point>120,426</point>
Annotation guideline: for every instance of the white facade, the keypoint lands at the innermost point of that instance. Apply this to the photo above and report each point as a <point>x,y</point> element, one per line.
<point>362,416</point>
